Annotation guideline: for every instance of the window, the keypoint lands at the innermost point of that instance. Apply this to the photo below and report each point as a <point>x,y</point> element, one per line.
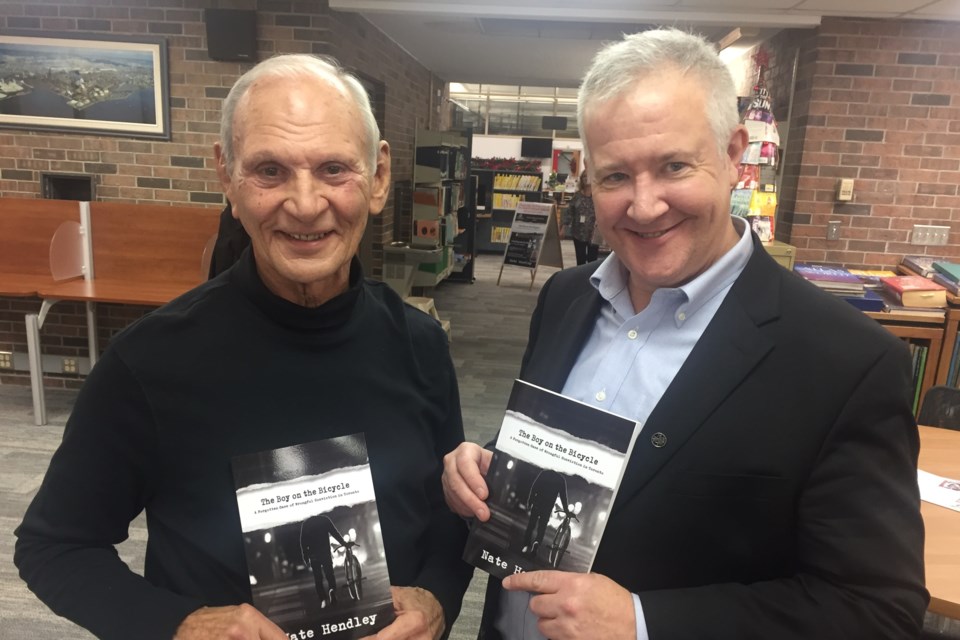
<point>496,109</point>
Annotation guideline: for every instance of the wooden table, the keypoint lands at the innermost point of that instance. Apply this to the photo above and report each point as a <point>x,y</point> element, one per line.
<point>940,455</point>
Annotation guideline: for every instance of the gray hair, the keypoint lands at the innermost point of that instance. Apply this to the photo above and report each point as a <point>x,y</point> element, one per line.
<point>618,66</point>
<point>296,65</point>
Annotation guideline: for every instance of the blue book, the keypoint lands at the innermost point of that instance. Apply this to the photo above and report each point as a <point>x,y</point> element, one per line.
<point>829,277</point>
<point>951,286</point>
<point>869,301</point>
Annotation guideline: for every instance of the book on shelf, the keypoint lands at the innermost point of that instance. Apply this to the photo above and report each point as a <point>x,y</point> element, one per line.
<point>556,468</point>
<point>921,265</point>
<point>871,277</point>
<point>952,286</point>
<point>919,355</point>
<point>831,278</point>
<point>916,291</point>
<point>954,366</point>
<point>311,533</point>
<point>869,301</point>
<point>949,270</point>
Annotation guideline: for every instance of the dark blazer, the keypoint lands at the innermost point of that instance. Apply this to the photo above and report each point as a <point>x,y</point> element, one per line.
<point>782,501</point>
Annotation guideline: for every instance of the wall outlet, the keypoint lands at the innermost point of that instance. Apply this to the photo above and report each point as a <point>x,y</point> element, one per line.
<point>6,360</point>
<point>70,365</point>
<point>929,234</point>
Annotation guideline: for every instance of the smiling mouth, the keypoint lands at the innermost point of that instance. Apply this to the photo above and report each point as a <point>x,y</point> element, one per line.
<point>309,237</point>
<point>652,234</point>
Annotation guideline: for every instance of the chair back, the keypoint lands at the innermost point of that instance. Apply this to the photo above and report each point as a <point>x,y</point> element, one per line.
<point>941,408</point>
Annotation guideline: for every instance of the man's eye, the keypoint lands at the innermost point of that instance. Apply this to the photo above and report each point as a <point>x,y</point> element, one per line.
<point>614,178</point>
<point>270,171</point>
<point>676,167</point>
<point>333,169</point>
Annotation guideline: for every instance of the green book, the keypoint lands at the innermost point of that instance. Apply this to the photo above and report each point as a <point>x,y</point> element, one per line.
<point>918,376</point>
<point>950,270</point>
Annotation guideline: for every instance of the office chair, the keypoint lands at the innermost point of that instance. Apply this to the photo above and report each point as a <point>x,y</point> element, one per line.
<point>937,627</point>
<point>941,408</point>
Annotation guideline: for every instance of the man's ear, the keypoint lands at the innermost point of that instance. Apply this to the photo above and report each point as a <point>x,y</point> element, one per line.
<point>735,147</point>
<point>380,183</point>
<point>222,174</point>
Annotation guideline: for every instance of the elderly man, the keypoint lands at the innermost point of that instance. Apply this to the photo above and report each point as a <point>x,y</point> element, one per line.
<point>291,345</point>
<point>772,491</point>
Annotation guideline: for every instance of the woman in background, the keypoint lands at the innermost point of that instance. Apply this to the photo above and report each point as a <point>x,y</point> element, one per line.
<point>579,222</point>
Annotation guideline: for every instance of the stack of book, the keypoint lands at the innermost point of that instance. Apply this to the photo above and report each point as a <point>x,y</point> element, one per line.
<point>947,274</point>
<point>915,294</point>
<point>844,283</point>
<point>830,278</point>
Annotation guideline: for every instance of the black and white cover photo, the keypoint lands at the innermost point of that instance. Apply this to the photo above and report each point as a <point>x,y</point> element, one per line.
<point>554,475</point>
<point>311,532</point>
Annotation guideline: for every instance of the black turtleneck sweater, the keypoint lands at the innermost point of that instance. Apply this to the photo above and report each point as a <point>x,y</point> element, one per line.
<point>225,369</point>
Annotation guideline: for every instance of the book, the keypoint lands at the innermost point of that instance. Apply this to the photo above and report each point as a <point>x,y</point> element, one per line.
<point>916,291</point>
<point>869,301</point>
<point>829,277</point>
<point>949,270</point>
<point>920,363</point>
<point>921,314</point>
<point>311,533</point>
<point>871,277</point>
<point>556,468</point>
<point>921,265</point>
<point>951,286</point>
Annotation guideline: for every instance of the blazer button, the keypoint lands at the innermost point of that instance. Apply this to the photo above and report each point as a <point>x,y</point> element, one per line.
<point>658,440</point>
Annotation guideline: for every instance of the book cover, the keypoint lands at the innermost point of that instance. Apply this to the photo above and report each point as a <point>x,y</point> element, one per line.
<point>869,301</point>
<point>554,475</point>
<point>311,532</point>
<point>939,490</point>
<point>871,277</point>
<point>922,265</point>
<point>949,270</point>
<point>916,291</point>
<point>952,287</point>
<point>830,277</point>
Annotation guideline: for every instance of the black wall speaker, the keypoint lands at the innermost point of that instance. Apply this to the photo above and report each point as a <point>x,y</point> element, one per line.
<point>557,123</point>
<point>231,34</point>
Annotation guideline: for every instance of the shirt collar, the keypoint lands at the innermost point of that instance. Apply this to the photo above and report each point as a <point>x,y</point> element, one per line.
<point>610,278</point>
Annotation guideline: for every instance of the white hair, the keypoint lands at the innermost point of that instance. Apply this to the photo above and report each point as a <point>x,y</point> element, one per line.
<point>618,66</point>
<point>294,66</point>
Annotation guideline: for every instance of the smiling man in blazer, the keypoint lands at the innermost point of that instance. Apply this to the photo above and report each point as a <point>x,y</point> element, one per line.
<point>772,491</point>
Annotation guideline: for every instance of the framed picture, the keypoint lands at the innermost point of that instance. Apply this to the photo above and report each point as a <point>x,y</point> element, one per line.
<point>106,86</point>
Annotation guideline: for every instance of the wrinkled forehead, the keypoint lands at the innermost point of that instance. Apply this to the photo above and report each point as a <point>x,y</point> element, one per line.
<point>302,91</point>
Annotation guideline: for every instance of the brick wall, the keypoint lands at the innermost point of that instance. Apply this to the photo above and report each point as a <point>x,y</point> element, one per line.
<point>181,170</point>
<point>879,102</point>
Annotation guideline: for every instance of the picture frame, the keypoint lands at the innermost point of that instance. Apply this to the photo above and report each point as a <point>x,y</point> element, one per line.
<point>107,85</point>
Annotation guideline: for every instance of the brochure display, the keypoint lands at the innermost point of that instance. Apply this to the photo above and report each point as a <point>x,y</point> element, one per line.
<point>553,478</point>
<point>755,195</point>
<point>311,532</point>
<point>534,239</point>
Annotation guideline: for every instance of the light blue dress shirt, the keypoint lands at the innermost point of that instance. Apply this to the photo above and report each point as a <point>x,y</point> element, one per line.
<point>628,362</point>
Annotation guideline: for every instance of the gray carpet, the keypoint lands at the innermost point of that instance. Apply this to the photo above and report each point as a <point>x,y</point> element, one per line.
<point>488,334</point>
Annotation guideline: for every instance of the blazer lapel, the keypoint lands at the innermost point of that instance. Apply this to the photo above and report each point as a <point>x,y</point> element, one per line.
<point>729,349</point>
<point>551,370</point>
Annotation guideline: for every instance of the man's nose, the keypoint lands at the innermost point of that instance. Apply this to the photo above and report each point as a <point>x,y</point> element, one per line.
<point>648,200</point>
<point>306,196</point>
